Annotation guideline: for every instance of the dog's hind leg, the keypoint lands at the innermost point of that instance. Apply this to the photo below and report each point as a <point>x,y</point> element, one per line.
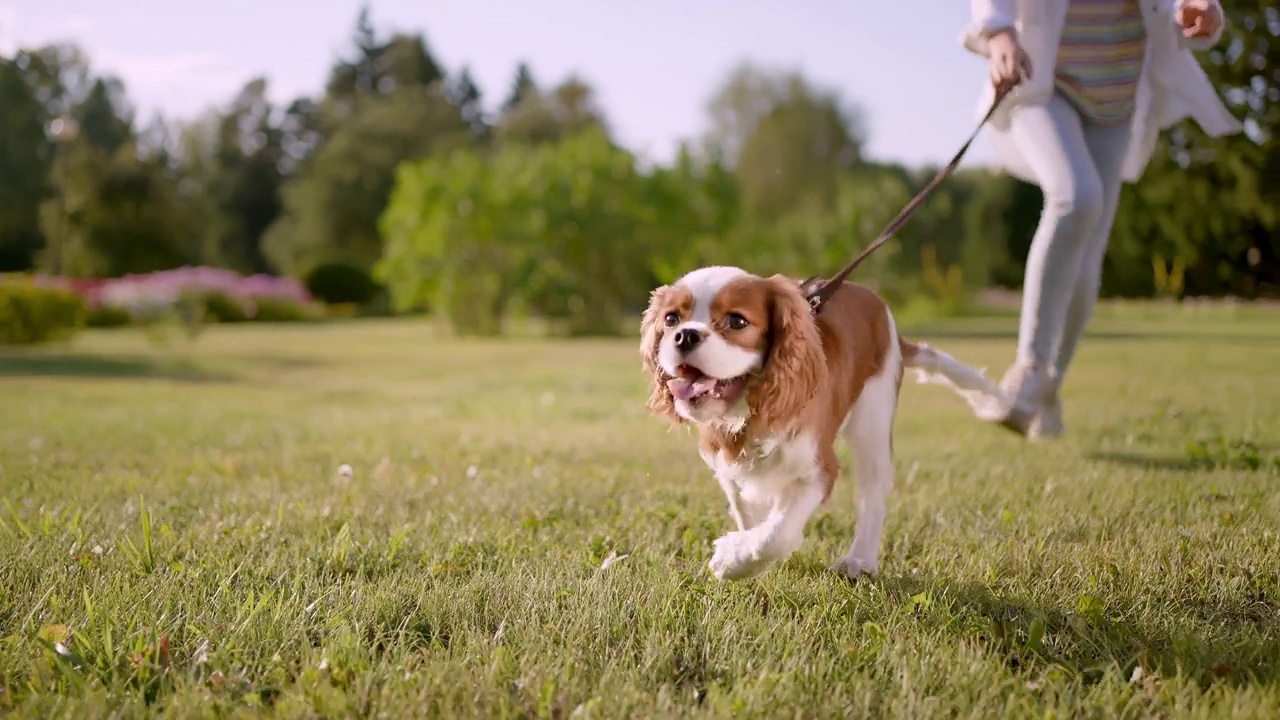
<point>869,432</point>
<point>935,366</point>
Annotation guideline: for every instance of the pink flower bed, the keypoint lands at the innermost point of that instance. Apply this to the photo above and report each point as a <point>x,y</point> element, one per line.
<point>151,292</point>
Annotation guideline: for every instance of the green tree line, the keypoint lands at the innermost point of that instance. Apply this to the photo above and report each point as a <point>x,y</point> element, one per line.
<point>395,168</point>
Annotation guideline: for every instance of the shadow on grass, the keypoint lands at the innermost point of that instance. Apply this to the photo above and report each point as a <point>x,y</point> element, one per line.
<point>1091,641</point>
<point>942,332</point>
<point>95,366</point>
<point>1232,460</point>
<point>1172,463</point>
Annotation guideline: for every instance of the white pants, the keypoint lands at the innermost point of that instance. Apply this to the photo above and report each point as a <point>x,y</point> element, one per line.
<point>1078,167</point>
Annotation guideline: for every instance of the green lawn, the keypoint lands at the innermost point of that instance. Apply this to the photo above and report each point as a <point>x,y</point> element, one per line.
<point>178,514</point>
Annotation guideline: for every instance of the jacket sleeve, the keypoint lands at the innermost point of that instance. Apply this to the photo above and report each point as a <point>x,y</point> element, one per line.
<point>985,18</point>
<point>1192,43</point>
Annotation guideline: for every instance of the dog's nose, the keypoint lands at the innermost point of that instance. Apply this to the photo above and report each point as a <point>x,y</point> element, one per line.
<point>687,339</point>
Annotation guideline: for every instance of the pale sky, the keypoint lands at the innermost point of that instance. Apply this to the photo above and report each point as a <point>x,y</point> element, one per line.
<point>653,63</point>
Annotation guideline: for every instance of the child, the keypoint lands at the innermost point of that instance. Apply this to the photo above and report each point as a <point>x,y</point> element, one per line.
<point>1100,79</point>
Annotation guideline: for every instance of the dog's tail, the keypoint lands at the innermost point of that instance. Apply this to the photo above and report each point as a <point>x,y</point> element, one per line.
<point>935,366</point>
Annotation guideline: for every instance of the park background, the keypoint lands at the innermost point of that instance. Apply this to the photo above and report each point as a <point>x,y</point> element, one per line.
<point>401,184</point>
<point>357,428</point>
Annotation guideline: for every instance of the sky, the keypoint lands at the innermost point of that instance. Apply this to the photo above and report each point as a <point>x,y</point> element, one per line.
<point>653,63</point>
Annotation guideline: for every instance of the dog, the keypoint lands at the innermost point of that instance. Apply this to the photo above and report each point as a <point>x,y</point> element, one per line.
<point>769,386</point>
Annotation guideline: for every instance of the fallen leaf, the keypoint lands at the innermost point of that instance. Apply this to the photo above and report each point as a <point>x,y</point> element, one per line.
<point>54,634</point>
<point>613,559</point>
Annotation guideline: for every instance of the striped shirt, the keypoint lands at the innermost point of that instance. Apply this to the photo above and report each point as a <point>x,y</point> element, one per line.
<point>1100,58</point>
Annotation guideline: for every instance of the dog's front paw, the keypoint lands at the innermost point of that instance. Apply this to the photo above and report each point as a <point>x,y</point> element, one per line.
<point>856,568</point>
<point>738,555</point>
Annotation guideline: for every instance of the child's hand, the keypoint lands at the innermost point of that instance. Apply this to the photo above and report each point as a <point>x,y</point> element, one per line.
<point>1198,18</point>
<point>1007,59</point>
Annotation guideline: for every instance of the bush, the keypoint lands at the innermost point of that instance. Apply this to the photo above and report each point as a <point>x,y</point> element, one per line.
<point>107,316</point>
<point>188,298</point>
<point>279,310</point>
<point>33,314</point>
<point>222,308</point>
<point>339,283</point>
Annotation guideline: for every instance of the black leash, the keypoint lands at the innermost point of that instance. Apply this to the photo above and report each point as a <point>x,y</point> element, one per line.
<point>819,291</point>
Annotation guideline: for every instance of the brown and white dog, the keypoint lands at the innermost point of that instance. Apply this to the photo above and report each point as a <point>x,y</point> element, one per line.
<point>770,386</point>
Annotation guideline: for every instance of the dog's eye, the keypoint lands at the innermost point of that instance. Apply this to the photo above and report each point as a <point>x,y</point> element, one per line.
<point>671,319</point>
<point>734,321</point>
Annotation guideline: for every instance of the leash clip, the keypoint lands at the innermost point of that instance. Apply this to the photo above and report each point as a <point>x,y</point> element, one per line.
<point>812,292</point>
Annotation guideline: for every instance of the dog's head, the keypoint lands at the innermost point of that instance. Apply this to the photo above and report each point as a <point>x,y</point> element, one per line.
<point>727,347</point>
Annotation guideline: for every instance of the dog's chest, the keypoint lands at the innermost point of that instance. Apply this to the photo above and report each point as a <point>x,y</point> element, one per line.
<point>768,466</point>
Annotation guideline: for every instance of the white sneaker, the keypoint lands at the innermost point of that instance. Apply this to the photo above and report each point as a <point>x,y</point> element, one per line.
<point>1047,423</point>
<point>1025,386</point>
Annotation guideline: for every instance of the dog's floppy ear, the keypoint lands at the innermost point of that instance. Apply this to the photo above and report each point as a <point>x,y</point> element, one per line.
<point>661,401</point>
<point>796,366</point>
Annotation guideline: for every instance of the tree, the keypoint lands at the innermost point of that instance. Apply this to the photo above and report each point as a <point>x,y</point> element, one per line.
<point>521,87</point>
<point>378,67</point>
<point>464,93</point>
<point>998,223</point>
<point>405,61</point>
<point>384,105</point>
<point>1211,202</point>
<point>120,215</point>
<point>569,230</point>
<point>694,208</point>
<point>330,209</point>
<point>108,201</point>
<point>302,132</point>
<point>450,242</point>
<point>36,86</point>
<point>541,117</point>
<point>746,95</point>
<point>787,141</point>
<point>804,243</point>
<point>58,74</point>
<point>350,78</point>
<point>233,167</point>
<point>25,159</point>
<point>104,116</point>
<point>159,140</point>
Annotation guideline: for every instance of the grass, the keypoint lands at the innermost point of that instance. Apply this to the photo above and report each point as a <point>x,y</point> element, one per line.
<point>519,539</point>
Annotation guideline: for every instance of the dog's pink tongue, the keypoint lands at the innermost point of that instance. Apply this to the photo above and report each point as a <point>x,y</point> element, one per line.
<point>684,388</point>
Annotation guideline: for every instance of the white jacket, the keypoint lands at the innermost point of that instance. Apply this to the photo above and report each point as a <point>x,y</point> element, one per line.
<point>1172,85</point>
